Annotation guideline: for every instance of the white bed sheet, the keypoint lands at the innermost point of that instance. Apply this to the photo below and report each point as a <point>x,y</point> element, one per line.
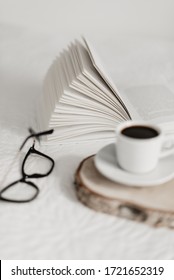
<point>56,225</point>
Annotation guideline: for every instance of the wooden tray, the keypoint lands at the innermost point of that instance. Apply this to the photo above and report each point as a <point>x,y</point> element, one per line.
<point>151,205</point>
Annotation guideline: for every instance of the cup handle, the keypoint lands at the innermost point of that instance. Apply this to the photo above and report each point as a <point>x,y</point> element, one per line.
<point>168,147</point>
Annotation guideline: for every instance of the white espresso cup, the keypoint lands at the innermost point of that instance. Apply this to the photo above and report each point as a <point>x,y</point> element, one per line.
<point>140,145</point>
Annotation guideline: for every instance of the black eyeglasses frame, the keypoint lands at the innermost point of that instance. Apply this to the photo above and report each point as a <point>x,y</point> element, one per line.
<point>25,176</point>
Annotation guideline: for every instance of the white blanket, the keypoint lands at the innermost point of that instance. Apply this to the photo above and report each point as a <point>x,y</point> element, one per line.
<point>56,225</point>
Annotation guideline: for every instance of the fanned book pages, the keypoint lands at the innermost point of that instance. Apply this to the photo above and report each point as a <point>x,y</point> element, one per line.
<point>81,102</point>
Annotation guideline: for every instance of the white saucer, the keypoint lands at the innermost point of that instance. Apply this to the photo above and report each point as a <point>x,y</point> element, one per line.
<point>106,163</point>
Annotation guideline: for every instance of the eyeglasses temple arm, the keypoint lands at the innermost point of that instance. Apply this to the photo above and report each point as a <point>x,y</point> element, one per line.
<point>43,133</point>
<point>36,135</point>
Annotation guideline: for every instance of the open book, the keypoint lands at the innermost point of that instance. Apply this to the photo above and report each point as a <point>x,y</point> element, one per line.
<point>81,102</point>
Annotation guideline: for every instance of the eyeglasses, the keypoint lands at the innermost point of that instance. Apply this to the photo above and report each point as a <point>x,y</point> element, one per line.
<point>29,188</point>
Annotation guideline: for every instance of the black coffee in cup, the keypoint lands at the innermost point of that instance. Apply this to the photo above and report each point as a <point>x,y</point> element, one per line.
<point>140,132</point>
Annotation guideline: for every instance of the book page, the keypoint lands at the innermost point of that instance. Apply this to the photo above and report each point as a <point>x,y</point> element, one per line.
<point>78,133</point>
<point>99,67</point>
<point>152,103</point>
<point>93,78</point>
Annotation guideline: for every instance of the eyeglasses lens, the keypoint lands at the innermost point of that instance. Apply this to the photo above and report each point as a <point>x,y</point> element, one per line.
<point>37,164</point>
<point>19,191</point>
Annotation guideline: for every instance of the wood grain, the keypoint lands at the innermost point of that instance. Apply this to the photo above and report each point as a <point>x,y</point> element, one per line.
<point>153,205</point>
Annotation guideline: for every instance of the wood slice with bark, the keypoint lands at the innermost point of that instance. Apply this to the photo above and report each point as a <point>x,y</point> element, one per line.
<point>151,205</point>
